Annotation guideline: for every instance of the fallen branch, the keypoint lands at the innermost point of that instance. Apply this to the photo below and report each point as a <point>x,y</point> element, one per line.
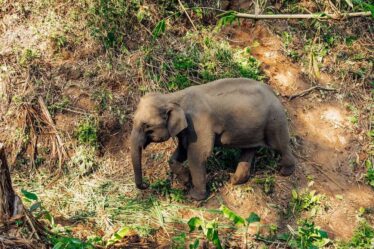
<point>304,16</point>
<point>319,168</point>
<point>309,90</point>
<point>57,145</point>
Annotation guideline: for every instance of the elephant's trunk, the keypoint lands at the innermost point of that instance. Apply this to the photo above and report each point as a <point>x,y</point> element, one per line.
<point>137,144</point>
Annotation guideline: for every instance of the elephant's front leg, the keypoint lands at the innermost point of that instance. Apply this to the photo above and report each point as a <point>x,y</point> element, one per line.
<point>197,157</point>
<point>176,164</point>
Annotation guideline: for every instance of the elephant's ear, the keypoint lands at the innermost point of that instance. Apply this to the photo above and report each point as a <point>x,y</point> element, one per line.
<point>176,120</point>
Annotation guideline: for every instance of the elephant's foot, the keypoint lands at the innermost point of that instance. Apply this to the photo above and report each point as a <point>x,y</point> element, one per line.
<point>287,170</point>
<point>241,174</point>
<point>142,186</point>
<point>197,195</point>
<point>287,165</point>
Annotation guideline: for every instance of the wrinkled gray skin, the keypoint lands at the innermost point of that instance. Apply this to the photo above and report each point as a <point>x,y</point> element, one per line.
<point>237,113</point>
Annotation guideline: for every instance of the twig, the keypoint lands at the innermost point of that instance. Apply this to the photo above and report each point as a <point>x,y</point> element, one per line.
<point>76,111</point>
<point>309,90</point>
<point>32,227</point>
<point>304,16</point>
<point>188,16</point>
<point>317,167</point>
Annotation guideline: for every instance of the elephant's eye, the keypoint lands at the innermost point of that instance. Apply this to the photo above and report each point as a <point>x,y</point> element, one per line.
<point>149,131</point>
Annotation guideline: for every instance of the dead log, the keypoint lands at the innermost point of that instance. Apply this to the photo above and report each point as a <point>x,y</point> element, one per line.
<point>7,195</point>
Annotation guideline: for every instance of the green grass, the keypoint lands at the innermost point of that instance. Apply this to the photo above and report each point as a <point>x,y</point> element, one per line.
<point>362,238</point>
<point>87,132</point>
<point>28,56</point>
<point>163,188</point>
<point>199,59</point>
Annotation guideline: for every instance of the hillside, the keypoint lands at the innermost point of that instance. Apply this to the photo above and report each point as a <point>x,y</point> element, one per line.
<point>72,72</point>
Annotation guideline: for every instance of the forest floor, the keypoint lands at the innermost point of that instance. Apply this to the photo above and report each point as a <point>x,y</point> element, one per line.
<point>72,73</point>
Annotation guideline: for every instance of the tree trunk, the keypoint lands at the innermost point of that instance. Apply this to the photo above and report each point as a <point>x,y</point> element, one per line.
<point>7,195</point>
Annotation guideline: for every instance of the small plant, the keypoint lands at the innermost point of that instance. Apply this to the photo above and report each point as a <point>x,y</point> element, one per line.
<point>305,200</point>
<point>59,40</point>
<point>240,221</point>
<point>117,236</point>
<point>363,237</point>
<point>103,99</point>
<point>179,241</point>
<point>209,229</point>
<point>159,29</point>
<point>58,106</point>
<point>27,56</point>
<point>316,53</point>
<point>369,175</point>
<point>84,160</point>
<point>164,188</point>
<point>267,183</point>
<point>87,133</point>
<point>287,41</point>
<point>308,236</point>
<point>226,18</point>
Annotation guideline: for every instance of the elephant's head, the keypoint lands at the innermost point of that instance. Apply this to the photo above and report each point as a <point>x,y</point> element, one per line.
<point>155,120</point>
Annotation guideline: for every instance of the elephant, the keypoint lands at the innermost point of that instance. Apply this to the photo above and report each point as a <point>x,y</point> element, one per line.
<point>232,112</point>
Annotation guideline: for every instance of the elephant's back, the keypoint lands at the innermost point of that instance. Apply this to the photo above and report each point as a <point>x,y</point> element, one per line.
<point>229,86</point>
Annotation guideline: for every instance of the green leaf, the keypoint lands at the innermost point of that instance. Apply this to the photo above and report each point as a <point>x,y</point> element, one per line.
<point>49,217</point>
<point>226,18</point>
<point>29,195</point>
<point>194,222</point>
<point>349,2</point>
<point>195,245</point>
<point>294,194</point>
<point>323,234</point>
<point>253,217</point>
<point>232,216</point>
<point>215,240</point>
<point>284,236</point>
<point>58,245</point>
<point>159,29</point>
<point>35,206</point>
<point>118,236</point>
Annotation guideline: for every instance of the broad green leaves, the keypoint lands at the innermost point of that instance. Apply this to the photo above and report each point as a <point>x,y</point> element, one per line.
<point>253,217</point>
<point>118,236</point>
<point>232,216</point>
<point>30,196</point>
<point>194,223</point>
<point>238,220</point>
<point>209,229</point>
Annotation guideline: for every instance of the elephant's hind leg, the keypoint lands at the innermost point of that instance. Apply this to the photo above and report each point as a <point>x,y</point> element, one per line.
<point>243,168</point>
<point>278,138</point>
